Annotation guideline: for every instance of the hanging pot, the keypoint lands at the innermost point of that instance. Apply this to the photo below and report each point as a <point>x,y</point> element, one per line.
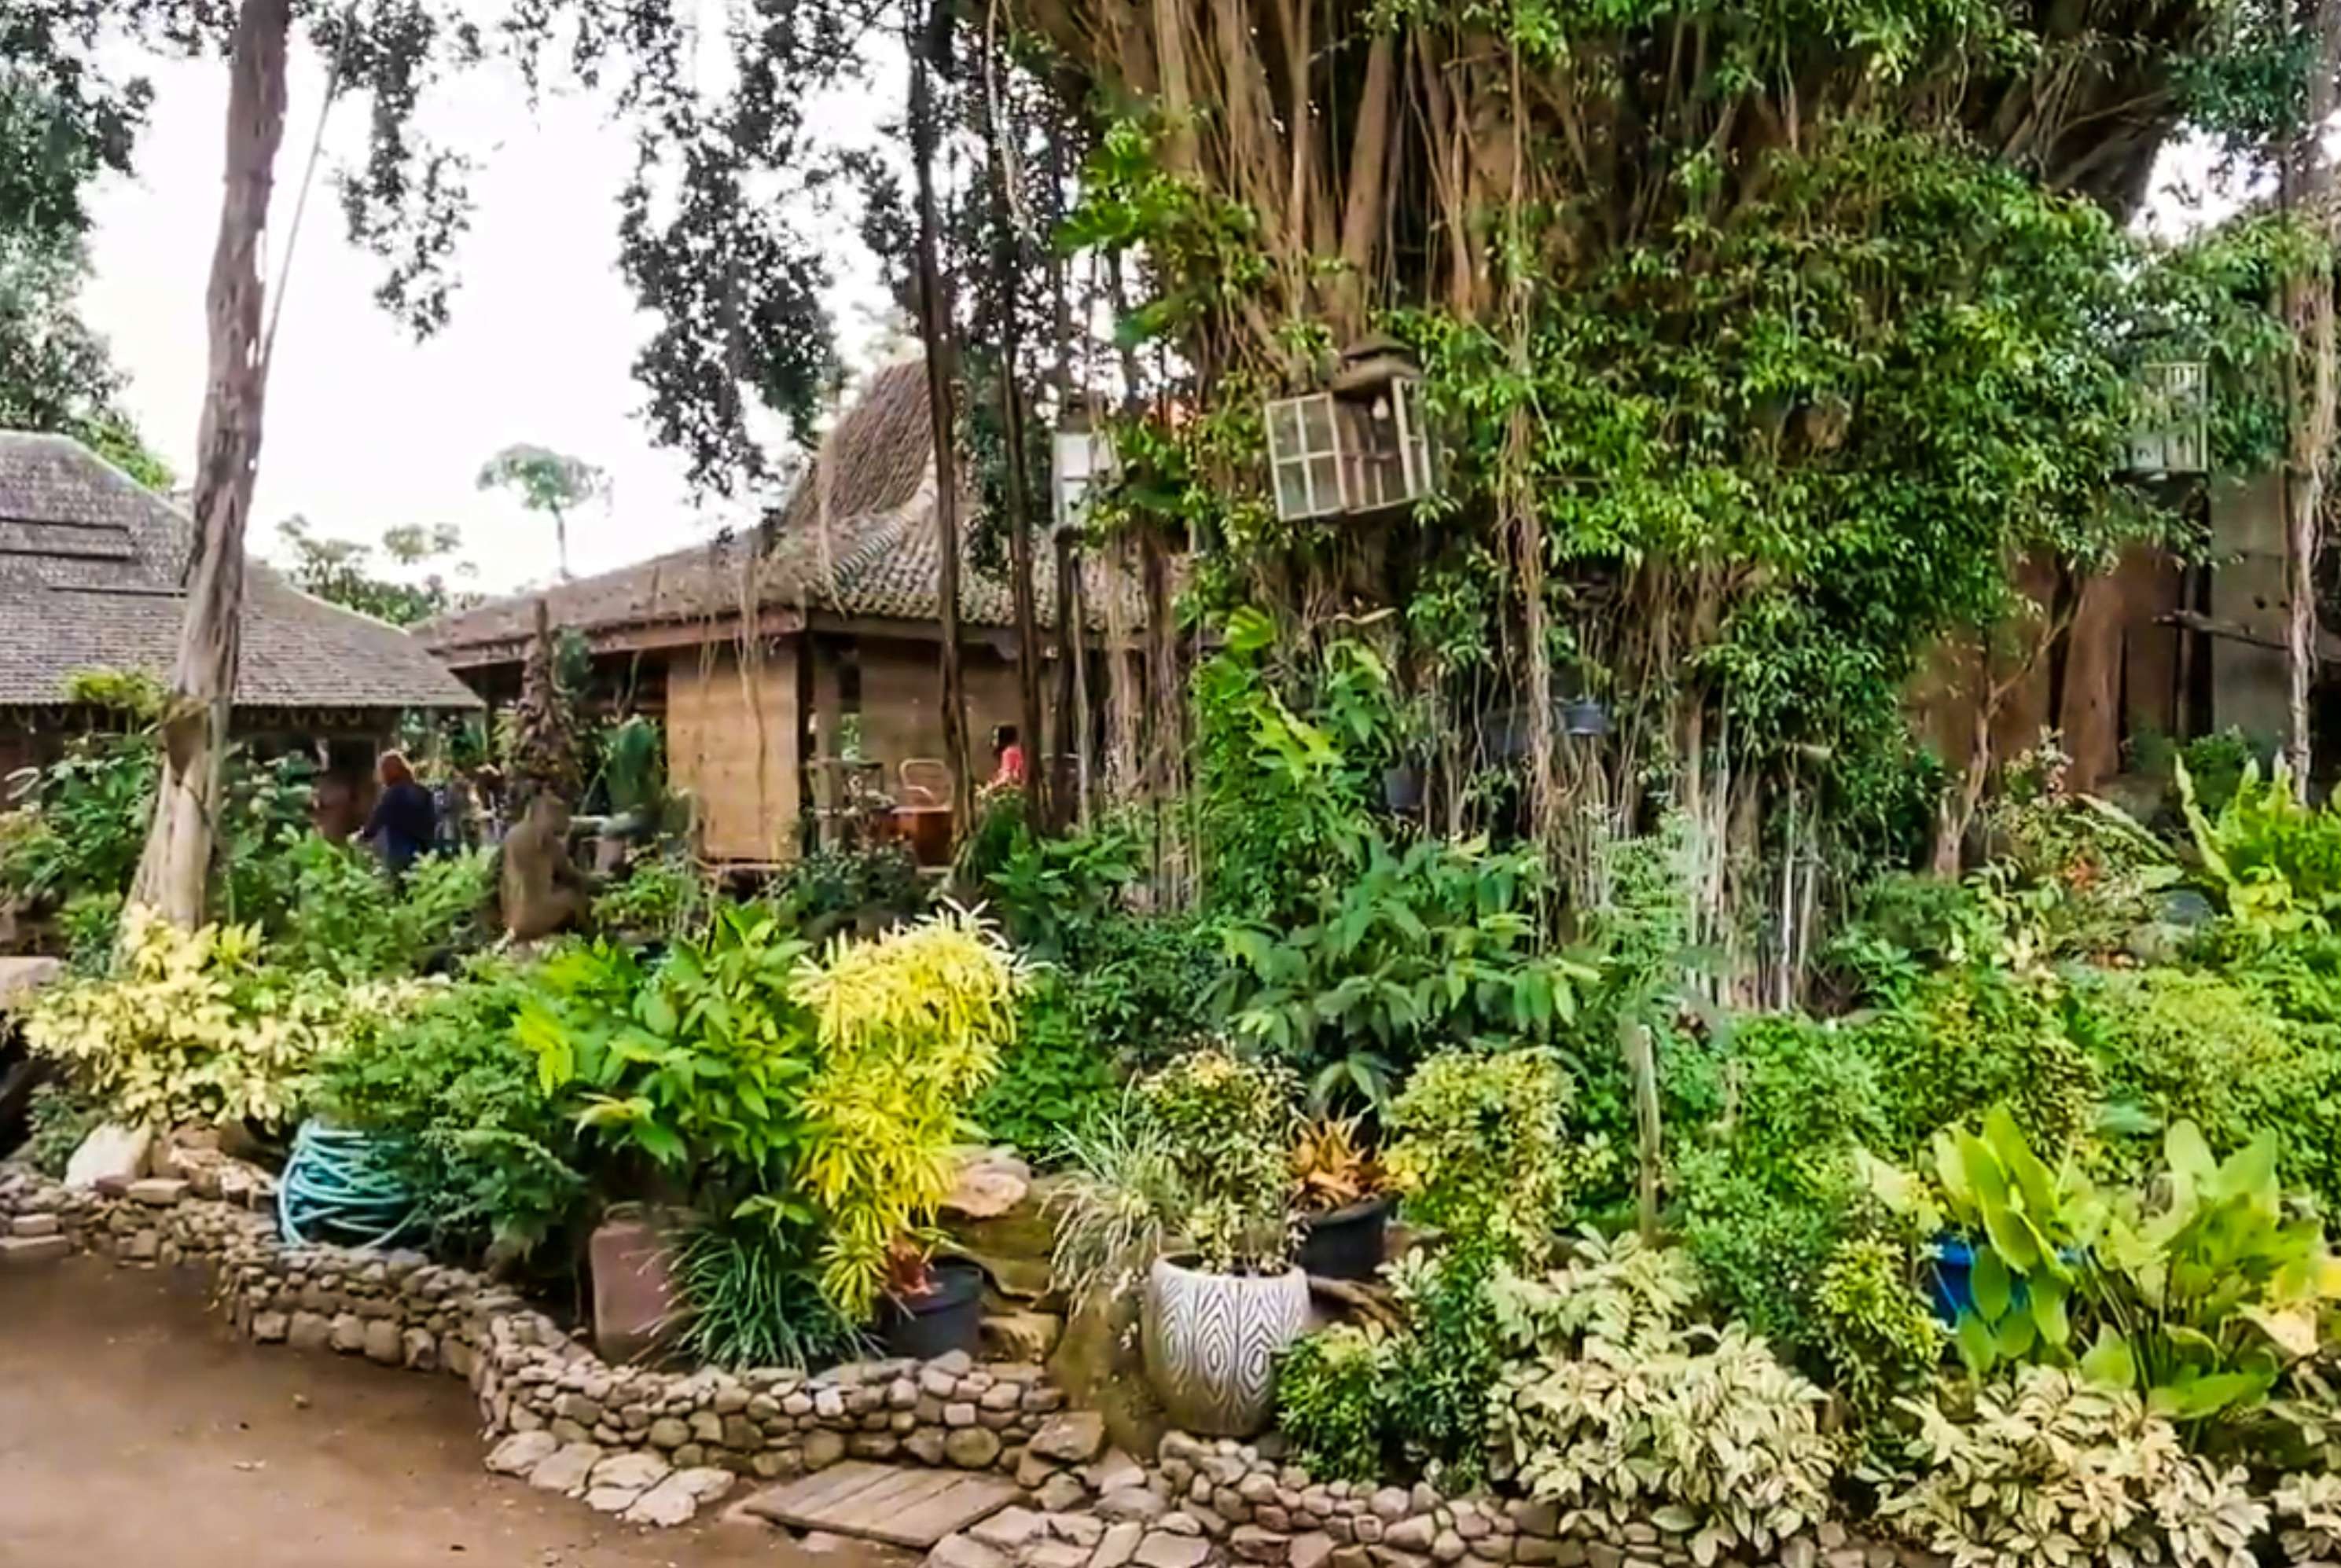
<point>1402,789</point>
<point>1587,719</point>
<point>1212,1342</point>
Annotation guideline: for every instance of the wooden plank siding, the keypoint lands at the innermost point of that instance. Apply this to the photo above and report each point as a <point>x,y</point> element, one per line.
<point>731,742</point>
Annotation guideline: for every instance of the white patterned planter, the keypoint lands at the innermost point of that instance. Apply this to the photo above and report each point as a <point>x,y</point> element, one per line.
<point>1212,1342</point>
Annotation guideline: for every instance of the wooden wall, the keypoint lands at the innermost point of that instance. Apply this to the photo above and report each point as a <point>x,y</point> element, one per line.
<point>718,727</point>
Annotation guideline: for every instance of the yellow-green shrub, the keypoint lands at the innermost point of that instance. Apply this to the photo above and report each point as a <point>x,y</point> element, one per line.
<point>194,1027</point>
<point>909,1028</point>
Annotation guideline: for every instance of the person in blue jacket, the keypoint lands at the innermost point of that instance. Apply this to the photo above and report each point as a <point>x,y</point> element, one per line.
<point>405,821</point>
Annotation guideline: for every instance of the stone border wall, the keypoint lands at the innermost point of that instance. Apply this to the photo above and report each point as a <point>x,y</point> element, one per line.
<point>652,1448</point>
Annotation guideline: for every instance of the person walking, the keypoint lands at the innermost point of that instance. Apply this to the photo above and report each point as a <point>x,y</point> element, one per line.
<point>405,820</point>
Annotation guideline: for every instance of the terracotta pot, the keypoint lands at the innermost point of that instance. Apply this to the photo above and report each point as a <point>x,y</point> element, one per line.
<point>634,1294</point>
<point>1212,1342</point>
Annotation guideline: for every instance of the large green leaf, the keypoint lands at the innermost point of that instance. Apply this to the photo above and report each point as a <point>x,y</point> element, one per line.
<point>2110,1361</point>
<point>1991,1285</point>
<point>2049,1310</point>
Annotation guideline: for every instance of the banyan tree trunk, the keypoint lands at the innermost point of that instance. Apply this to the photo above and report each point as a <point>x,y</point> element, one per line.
<point>174,869</point>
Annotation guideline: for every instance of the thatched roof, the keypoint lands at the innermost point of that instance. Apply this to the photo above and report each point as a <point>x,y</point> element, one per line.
<point>855,539</point>
<point>90,569</point>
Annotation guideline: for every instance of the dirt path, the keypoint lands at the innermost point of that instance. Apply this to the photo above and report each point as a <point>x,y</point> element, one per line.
<point>136,1429</point>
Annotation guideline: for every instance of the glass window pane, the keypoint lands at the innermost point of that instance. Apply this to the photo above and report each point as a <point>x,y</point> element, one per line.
<point>1283,429</point>
<point>1319,412</point>
<point>1325,483</point>
<point>1291,490</point>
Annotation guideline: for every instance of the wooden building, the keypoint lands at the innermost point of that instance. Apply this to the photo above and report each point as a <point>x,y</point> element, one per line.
<point>91,569</point>
<point>786,658</point>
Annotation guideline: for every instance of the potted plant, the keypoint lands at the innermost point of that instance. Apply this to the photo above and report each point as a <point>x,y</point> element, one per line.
<point>932,1305</point>
<point>1340,1191</point>
<point>909,1028</point>
<point>1189,1185</point>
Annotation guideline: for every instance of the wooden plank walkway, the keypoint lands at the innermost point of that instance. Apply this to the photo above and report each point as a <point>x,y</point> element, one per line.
<point>899,1505</point>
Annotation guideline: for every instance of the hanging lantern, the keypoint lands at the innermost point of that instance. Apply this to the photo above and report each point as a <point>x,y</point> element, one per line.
<point>1362,446</point>
<point>2173,434</point>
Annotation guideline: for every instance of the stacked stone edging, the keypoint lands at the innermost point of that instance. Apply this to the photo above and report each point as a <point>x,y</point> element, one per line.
<point>649,1444</point>
<point>1208,1502</point>
<point>653,1447</point>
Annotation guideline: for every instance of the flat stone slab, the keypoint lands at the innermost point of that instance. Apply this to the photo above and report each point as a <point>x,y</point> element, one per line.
<point>899,1504</point>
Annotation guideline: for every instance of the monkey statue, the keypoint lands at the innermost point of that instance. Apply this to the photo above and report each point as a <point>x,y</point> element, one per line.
<point>539,890</point>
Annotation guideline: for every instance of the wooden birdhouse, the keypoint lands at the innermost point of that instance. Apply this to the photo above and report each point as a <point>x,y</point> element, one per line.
<point>2173,434</point>
<point>1362,446</point>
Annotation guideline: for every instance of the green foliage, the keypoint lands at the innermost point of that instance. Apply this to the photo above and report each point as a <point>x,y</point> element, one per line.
<point>909,1028</point>
<point>752,1297</point>
<point>2198,1295</point>
<point>490,1159</point>
<point>79,824</point>
<point>2175,1045</point>
<point>697,1067</point>
<point>1329,1402</point>
<point>1287,763</point>
<point>633,771</point>
<point>837,888</point>
<point>1143,987</point>
<point>1125,1197</point>
<point>345,916</point>
<point>1902,925</point>
<point>2274,862</point>
<point>1764,1237</point>
<point>1879,1338</point>
<point>1442,1370</point>
<point>1054,893</point>
<point>1407,952</point>
<point>57,374</point>
<point>1053,1079</point>
<point>659,895</point>
<point>2055,1468</point>
<point>1974,1036</point>
<point>545,480</point>
<point>196,1028</point>
<point>343,571</point>
<point>1624,1406</point>
<point>57,1118</point>
<point>1229,1124</point>
<point>1481,1149</point>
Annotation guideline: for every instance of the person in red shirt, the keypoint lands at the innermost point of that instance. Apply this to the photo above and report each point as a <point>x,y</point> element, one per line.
<point>1008,755</point>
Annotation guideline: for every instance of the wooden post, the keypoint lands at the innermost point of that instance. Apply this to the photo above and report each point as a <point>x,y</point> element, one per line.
<point>174,869</point>
<point>935,332</point>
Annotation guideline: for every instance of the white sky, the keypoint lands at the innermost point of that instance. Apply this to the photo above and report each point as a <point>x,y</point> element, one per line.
<point>365,429</point>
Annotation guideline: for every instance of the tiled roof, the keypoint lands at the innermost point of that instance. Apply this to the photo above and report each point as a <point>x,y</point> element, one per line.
<point>856,538</point>
<point>90,563</point>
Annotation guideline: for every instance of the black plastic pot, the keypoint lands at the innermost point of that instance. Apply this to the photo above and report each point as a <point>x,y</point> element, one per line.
<point>949,1317</point>
<point>1346,1244</point>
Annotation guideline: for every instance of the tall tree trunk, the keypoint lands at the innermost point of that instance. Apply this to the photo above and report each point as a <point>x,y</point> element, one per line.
<point>173,870</point>
<point>2308,178</point>
<point>1007,261</point>
<point>934,332</point>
